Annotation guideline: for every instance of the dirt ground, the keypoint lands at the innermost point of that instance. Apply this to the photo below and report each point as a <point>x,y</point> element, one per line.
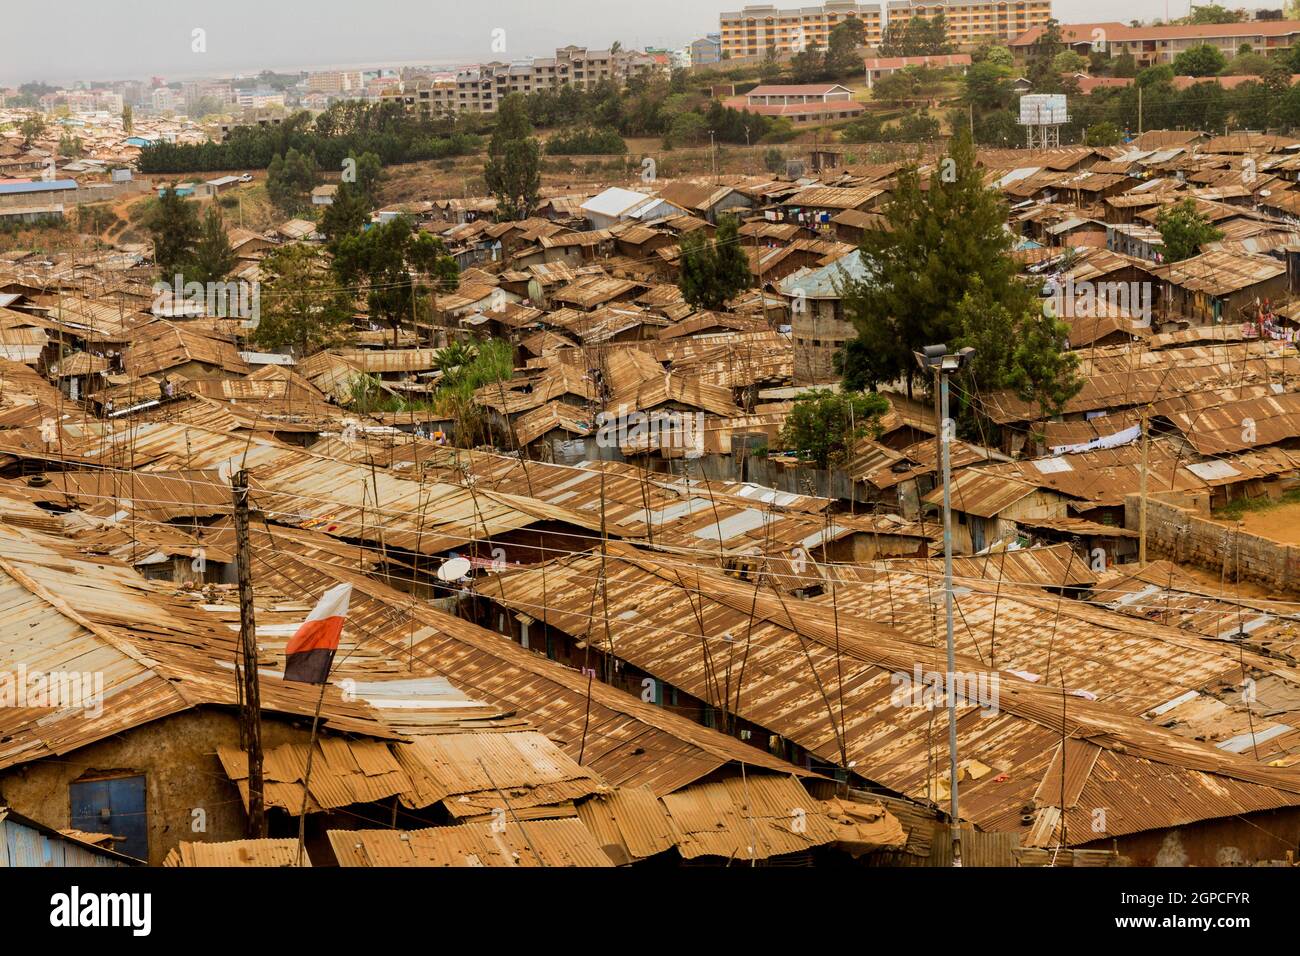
<point>1281,523</point>
<point>1226,585</point>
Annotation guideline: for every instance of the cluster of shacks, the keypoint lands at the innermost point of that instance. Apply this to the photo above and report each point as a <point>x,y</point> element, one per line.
<point>667,637</point>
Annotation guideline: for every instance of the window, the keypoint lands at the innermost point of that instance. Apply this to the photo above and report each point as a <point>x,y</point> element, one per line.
<point>113,805</point>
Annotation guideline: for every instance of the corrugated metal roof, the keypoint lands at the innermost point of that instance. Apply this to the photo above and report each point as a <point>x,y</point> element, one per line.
<point>271,852</point>
<point>531,843</point>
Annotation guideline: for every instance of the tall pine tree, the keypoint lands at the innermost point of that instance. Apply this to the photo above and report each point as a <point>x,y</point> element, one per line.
<point>173,225</point>
<point>942,273</point>
<point>514,167</point>
<point>213,258</point>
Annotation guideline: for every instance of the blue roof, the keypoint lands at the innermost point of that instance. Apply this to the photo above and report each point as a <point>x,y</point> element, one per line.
<point>826,282</point>
<point>39,186</point>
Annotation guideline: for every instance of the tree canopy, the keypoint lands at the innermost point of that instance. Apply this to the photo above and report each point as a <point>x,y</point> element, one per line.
<point>942,272</point>
<point>824,426</point>
<point>1183,229</point>
<point>1199,60</point>
<point>713,270</point>
<point>514,167</point>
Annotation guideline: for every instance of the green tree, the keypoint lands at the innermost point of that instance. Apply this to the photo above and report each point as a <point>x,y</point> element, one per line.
<point>1212,13</point>
<point>914,126</point>
<point>1155,75</point>
<point>865,129</point>
<point>1125,65</point>
<point>1247,64</point>
<point>514,167</point>
<point>173,225</point>
<point>1000,56</point>
<point>1183,229</point>
<point>687,129</point>
<point>713,270</point>
<point>384,261</point>
<point>1019,346</point>
<point>128,119</point>
<point>824,427</point>
<point>809,65</point>
<point>895,88</point>
<point>917,36</point>
<point>1204,105</point>
<point>987,87</point>
<point>370,173</point>
<point>842,48</point>
<point>999,128</point>
<point>347,214</point>
<point>70,146</point>
<point>302,305</point>
<point>1039,67</point>
<point>290,179</point>
<point>212,258</point>
<point>1200,60</point>
<point>1104,133</point>
<point>1067,61</point>
<point>940,244</point>
<point>32,128</point>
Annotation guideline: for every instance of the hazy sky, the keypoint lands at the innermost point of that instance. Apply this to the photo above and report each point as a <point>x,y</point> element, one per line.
<point>91,39</point>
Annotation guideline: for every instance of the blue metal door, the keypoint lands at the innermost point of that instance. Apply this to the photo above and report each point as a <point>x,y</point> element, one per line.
<point>113,805</point>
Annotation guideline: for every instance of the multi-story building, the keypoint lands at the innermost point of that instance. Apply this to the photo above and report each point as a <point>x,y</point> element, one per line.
<point>335,81</point>
<point>755,29</point>
<point>1161,44</point>
<point>163,98</point>
<point>706,50</point>
<point>259,99</point>
<point>972,22</point>
<point>480,89</point>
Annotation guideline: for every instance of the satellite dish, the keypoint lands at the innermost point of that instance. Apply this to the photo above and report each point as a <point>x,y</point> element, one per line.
<point>454,569</point>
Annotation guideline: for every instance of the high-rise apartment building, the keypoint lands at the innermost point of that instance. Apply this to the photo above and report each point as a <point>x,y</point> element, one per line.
<point>753,30</point>
<point>335,81</point>
<point>756,29</point>
<point>972,22</point>
<point>481,89</point>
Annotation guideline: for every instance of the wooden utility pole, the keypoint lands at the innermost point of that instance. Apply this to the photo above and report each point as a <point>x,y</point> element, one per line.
<point>250,714</point>
<point>1142,497</point>
<point>1139,86</point>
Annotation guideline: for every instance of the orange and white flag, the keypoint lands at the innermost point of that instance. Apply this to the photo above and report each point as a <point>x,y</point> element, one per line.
<point>310,652</point>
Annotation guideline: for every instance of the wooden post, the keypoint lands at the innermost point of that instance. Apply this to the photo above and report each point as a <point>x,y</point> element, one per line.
<point>250,716</point>
<point>1142,496</point>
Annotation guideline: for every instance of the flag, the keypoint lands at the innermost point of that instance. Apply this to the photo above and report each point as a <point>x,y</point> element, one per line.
<point>310,652</point>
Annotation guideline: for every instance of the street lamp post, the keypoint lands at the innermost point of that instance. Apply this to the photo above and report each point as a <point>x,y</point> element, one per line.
<point>944,363</point>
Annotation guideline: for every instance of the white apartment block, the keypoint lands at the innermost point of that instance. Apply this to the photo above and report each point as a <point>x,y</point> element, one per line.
<point>481,89</point>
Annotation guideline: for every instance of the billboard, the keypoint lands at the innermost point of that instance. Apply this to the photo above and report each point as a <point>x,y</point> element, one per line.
<point>1043,109</point>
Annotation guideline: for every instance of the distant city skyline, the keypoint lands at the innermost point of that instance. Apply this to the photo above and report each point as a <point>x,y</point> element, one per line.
<point>101,42</point>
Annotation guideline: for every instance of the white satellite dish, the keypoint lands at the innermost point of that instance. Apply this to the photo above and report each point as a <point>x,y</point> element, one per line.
<point>454,569</point>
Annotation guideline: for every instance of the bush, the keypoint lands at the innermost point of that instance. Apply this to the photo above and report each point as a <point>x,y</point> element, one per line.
<point>823,427</point>
<point>586,141</point>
